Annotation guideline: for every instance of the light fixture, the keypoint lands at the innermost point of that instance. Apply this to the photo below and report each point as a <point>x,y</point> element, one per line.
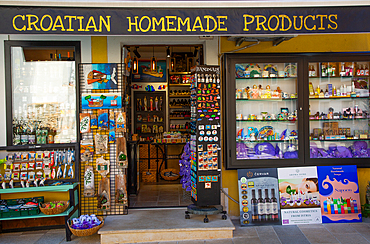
<point>195,52</point>
<point>137,53</point>
<point>168,52</point>
<point>135,68</point>
<point>153,63</point>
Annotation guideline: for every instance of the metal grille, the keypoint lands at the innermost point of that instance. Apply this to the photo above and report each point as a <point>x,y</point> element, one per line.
<point>89,204</point>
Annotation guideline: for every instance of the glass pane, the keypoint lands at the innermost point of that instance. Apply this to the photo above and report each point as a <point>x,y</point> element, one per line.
<point>339,110</point>
<point>266,111</point>
<point>44,99</point>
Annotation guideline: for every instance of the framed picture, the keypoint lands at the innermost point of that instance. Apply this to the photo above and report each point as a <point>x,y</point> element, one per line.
<point>101,76</point>
<point>146,75</point>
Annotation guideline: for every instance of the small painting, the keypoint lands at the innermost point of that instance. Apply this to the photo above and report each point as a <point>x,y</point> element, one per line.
<point>100,76</point>
<point>147,75</point>
<point>101,100</point>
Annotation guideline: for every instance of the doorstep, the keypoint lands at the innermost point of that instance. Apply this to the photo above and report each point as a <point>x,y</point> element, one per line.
<point>155,225</point>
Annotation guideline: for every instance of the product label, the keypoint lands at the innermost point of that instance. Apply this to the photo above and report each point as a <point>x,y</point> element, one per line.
<point>17,140</point>
<point>31,139</point>
<point>24,139</point>
<point>268,209</point>
<point>274,208</point>
<point>261,208</point>
<point>255,208</point>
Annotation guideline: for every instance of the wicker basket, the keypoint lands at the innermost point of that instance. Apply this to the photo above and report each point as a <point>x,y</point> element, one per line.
<point>149,175</point>
<point>52,211</point>
<point>86,232</point>
<point>170,178</point>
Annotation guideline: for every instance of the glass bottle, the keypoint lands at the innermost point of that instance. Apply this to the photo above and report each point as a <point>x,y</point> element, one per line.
<point>261,207</point>
<point>254,203</point>
<point>274,206</point>
<point>268,209</point>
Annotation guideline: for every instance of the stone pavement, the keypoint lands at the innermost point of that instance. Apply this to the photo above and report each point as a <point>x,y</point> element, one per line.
<point>358,233</point>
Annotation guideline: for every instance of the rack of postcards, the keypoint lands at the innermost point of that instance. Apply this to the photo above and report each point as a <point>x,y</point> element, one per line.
<point>205,135</point>
<point>103,149</point>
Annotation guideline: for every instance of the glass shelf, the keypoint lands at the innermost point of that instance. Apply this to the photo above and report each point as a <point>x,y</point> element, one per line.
<point>283,121</point>
<point>262,141</point>
<point>341,78</point>
<point>255,78</point>
<point>272,99</point>
<point>329,98</point>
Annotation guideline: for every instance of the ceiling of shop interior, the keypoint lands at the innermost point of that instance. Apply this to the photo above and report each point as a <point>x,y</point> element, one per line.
<point>146,51</point>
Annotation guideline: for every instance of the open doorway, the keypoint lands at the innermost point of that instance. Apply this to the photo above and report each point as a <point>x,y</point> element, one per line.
<point>159,85</point>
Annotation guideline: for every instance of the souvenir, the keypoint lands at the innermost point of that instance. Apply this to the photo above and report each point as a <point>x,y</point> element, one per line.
<point>86,149</point>
<point>120,189</point>
<point>93,122</point>
<point>121,155</point>
<point>103,120</point>
<point>84,122</point>
<point>89,187</point>
<point>104,194</point>
<point>101,143</point>
<point>102,166</point>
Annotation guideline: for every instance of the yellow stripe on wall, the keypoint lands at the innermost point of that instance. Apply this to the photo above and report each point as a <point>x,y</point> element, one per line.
<point>99,49</point>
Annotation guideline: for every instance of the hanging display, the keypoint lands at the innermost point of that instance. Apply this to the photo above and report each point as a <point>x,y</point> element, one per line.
<point>205,142</point>
<point>89,186</point>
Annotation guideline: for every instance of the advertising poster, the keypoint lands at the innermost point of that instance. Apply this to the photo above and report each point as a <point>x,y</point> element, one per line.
<point>299,195</point>
<point>258,197</point>
<point>339,191</point>
<point>101,100</point>
<point>101,76</point>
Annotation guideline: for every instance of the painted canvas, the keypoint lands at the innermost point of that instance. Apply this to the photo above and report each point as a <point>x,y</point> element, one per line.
<point>146,75</point>
<point>101,76</point>
<point>101,100</point>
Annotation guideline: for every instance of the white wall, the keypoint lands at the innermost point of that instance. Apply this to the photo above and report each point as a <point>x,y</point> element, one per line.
<point>85,58</point>
<point>116,42</point>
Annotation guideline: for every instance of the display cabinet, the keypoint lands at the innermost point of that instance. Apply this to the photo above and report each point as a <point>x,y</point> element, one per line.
<point>149,113</point>
<point>338,112</point>
<point>291,110</point>
<point>263,111</point>
<point>179,101</point>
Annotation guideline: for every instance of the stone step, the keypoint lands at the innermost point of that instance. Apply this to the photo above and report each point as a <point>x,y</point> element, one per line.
<point>158,225</point>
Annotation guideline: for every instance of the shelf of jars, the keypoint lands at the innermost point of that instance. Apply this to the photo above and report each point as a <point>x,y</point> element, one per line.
<point>339,110</point>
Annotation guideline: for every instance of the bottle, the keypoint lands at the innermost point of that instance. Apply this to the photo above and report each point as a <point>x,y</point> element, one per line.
<point>310,71</point>
<point>254,203</point>
<point>16,133</point>
<point>24,136</point>
<point>268,209</point>
<point>366,70</point>
<point>261,206</point>
<point>334,92</point>
<point>32,135</point>
<point>274,206</point>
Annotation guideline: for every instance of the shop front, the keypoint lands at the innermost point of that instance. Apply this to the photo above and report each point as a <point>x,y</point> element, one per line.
<point>293,92</point>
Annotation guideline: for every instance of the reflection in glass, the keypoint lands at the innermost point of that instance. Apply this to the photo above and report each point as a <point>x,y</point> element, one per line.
<point>44,100</point>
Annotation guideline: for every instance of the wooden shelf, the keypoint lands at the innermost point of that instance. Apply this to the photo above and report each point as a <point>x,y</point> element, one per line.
<point>38,189</point>
<point>179,106</point>
<point>188,96</point>
<point>179,117</point>
<point>181,130</point>
<point>40,215</point>
<point>179,85</point>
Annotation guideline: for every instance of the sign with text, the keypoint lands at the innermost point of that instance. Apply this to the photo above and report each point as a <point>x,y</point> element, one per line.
<point>339,191</point>
<point>258,197</point>
<point>195,22</point>
<point>299,195</point>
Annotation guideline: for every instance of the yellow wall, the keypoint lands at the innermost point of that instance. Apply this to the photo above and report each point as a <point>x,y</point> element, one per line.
<point>304,43</point>
<point>99,51</point>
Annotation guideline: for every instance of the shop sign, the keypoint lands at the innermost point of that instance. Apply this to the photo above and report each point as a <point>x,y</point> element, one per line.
<point>194,22</point>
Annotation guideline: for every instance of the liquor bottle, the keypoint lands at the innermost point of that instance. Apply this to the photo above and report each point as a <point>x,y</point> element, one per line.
<point>366,70</point>
<point>16,132</point>
<point>24,136</point>
<point>261,207</point>
<point>313,71</point>
<point>254,203</point>
<point>31,134</point>
<point>310,71</point>
<point>274,206</point>
<point>268,209</point>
